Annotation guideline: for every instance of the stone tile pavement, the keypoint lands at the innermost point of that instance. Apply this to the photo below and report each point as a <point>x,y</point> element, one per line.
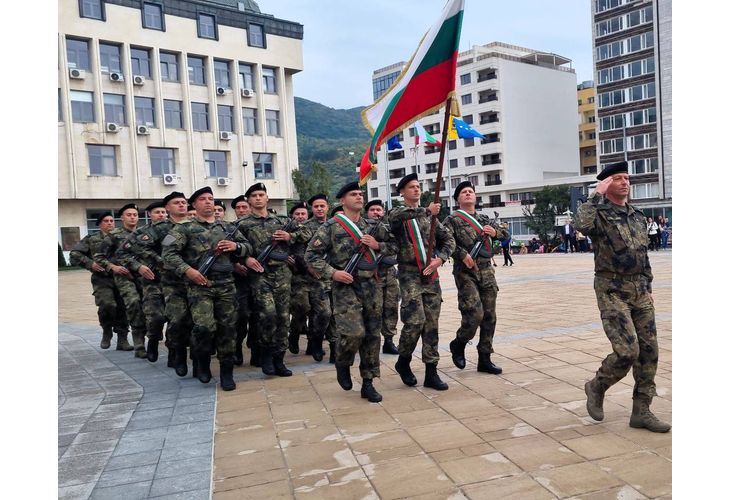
<point>129,427</point>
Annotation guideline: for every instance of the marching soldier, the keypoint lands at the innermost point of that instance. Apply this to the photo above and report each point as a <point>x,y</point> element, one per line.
<point>299,305</point>
<point>388,283</point>
<point>357,298</point>
<point>245,322</point>
<point>419,285</point>
<point>474,277</point>
<point>623,285</point>
<point>109,303</point>
<point>219,210</point>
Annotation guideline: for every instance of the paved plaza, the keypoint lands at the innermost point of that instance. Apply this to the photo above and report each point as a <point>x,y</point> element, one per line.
<point>133,429</point>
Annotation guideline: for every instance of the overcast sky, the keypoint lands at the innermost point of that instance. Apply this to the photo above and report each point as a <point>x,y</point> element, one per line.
<point>345,40</point>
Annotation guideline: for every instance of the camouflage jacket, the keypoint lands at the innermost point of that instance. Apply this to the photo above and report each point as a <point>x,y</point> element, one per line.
<point>618,235</point>
<point>259,230</point>
<point>145,247</point>
<point>466,237</point>
<point>82,254</point>
<point>106,254</point>
<point>331,247</point>
<point>399,216</point>
<point>187,243</point>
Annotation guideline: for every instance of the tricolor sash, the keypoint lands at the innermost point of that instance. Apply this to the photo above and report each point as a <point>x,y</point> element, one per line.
<point>355,233</point>
<point>419,250</point>
<point>474,223</point>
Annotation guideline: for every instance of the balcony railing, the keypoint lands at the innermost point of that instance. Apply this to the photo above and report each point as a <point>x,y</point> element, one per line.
<point>493,183</point>
<point>491,162</point>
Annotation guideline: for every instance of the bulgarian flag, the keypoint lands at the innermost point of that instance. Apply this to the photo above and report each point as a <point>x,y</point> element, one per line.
<point>423,137</point>
<point>424,85</point>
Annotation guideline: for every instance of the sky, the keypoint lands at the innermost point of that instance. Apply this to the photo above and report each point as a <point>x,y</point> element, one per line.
<point>345,40</point>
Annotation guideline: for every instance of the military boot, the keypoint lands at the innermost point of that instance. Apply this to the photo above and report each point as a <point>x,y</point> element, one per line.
<point>333,352</point>
<point>432,378</point>
<point>317,351</point>
<point>203,370</point>
<point>594,400</point>
<point>152,350</point>
<point>485,365</point>
<point>255,356</point>
<point>457,353</point>
<point>308,352</point>
<point>238,355</point>
<point>139,350</point>
<point>403,367</point>
<point>194,359</point>
<point>106,338</point>
<point>388,346</point>
<point>367,391</point>
<point>293,343</point>
<point>181,362</point>
<point>280,368</point>
<point>643,418</point>
<point>123,343</point>
<point>170,357</point>
<point>343,376</point>
<point>267,362</point>
<point>226,376</point>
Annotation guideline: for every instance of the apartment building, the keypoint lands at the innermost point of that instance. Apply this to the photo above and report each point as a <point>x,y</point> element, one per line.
<point>587,128</point>
<point>171,95</point>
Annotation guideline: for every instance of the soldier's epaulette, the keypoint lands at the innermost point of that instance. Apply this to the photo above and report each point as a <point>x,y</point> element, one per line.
<point>329,222</point>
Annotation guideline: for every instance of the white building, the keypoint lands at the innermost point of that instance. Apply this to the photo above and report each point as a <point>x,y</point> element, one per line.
<point>171,95</point>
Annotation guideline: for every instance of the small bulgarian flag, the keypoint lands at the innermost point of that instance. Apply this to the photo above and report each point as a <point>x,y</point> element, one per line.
<point>423,137</point>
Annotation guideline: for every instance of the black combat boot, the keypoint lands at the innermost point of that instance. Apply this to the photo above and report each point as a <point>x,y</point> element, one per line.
<point>367,391</point>
<point>170,357</point>
<point>204,374</point>
<point>432,378</point>
<point>267,362</point>
<point>457,353</point>
<point>388,346</point>
<point>333,352</point>
<point>343,376</point>
<point>226,378</point>
<point>317,351</point>
<point>403,367</point>
<point>255,355</point>
<point>181,362</point>
<point>238,355</point>
<point>293,343</point>
<point>280,368</point>
<point>152,350</point>
<point>106,338</point>
<point>195,365</point>
<point>308,352</point>
<point>485,365</point>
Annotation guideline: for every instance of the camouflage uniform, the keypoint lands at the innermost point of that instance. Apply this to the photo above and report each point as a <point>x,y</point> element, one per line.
<point>420,303</point>
<point>213,307</point>
<point>476,287</point>
<point>623,286</point>
<point>391,292</point>
<point>109,303</point>
<point>357,307</point>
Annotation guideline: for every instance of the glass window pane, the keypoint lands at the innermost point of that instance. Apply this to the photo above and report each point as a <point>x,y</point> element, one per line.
<point>144,108</point>
<point>196,70</point>
<point>91,8</point>
<point>114,109</point>
<point>255,35</point>
<point>173,114</point>
<point>206,26</point>
<point>152,16</point>
<point>82,106</point>
<point>102,160</point>
<point>220,69</point>
<point>162,161</point>
<point>200,116</point>
<point>264,165</point>
<point>168,67</point>
<point>269,77</point>
<point>141,62</point>
<point>250,122</point>
<point>225,118</point>
<point>110,58</point>
<point>77,53</point>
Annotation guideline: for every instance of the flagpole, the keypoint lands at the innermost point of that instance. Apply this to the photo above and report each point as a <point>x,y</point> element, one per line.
<point>387,179</point>
<point>448,176</point>
<point>437,187</point>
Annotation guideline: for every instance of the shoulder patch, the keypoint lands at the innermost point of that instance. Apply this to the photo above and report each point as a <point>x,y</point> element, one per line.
<point>168,240</point>
<point>145,237</point>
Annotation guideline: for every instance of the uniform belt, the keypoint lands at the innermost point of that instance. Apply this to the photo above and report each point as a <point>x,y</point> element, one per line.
<point>616,276</point>
<point>219,276</point>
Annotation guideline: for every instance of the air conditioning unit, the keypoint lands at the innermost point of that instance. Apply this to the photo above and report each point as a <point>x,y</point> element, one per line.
<point>143,130</point>
<point>78,74</point>
<point>247,93</point>
<point>170,179</point>
<point>116,77</point>
<point>112,127</point>
<point>221,90</point>
<point>138,80</point>
<point>223,181</point>
<point>226,136</point>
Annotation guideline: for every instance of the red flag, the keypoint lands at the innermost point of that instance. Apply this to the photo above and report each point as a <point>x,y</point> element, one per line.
<point>366,167</point>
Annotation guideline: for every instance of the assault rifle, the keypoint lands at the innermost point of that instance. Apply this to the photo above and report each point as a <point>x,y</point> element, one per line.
<point>211,256</point>
<point>263,257</point>
<point>356,257</point>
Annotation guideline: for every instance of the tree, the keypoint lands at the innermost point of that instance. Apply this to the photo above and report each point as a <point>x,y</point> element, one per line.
<point>319,181</point>
<point>549,202</point>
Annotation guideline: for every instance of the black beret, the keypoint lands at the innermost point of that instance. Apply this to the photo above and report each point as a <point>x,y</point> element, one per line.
<point>405,180</point>
<point>374,202</point>
<point>102,216</point>
<point>317,197</point>
<point>127,207</point>
<point>338,208</point>
<point>237,199</point>
<point>259,186</point>
<point>352,186</point>
<point>153,205</point>
<point>614,168</point>
<point>172,196</point>
<point>301,204</point>
<point>197,193</point>
<point>219,203</point>
<point>465,184</point>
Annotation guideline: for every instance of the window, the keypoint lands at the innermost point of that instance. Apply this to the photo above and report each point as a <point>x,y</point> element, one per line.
<point>256,36</point>
<point>374,176</point>
<point>468,119</point>
<point>643,166</point>
<point>102,160</point>
<point>272,123</point>
<point>454,164</point>
<point>465,79</point>
<point>173,114</point>
<point>263,165</point>
<point>93,9</point>
<point>152,16</point>
<point>215,162</point>
<point>250,122</point>
<point>225,118</point>
<point>196,70</point>
<point>200,117</point>
<point>452,144</point>
<point>455,181</point>
<point>245,76</point>
<point>474,179</point>
<point>222,77</point>
<point>168,67</point>
<point>470,161</point>
<point>111,59</point>
<point>141,62</point>
<point>373,193</point>
<point>82,106</point>
<point>269,77</point>
<point>162,161</point>
<point>114,109</point>
<point>643,191</point>
<point>468,142</point>
<point>77,53</point>
<point>144,108</point>
<point>466,99</point>
<point>207,27</point>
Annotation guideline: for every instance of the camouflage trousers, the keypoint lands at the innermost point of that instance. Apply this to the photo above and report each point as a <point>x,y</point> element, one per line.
<point>271,296</point>
<point>213,309</point>
<point>153,307</point>
<point>477,296</point>
<point>244,320</point>
<point>627,313</point>
<point>131,292</point>
<point>357,310</point>
<point>177,312</point>
<point>310,307</point>
<point>109,304</point>
<point>391,298</point>
<point>420,308</point>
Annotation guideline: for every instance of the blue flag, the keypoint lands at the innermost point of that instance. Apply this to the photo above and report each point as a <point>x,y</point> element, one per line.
<point>464,131</point>
<point>394,144</point>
